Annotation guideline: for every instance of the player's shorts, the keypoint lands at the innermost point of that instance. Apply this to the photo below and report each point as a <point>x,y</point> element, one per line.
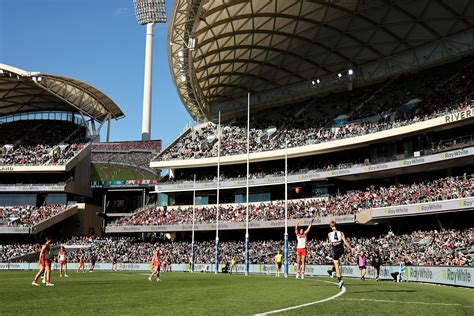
<point>279,265</point>
<point>156,264</point>
<point>300,252</point>
<point>361,267</point>
<point>81,263</point>
<point>62,262</point>
<point>338,252</point>
<point>45,263</point>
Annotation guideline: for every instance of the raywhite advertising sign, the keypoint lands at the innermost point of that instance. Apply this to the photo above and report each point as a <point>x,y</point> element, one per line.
<point>14,230</point>
<point>424,208</point>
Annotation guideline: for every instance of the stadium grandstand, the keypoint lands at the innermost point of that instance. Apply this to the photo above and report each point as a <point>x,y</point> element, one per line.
<point>353,111</point>
<point>306,113</point>
<point>47,125</point>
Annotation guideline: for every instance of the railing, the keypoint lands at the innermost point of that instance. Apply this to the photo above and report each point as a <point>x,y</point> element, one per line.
<point>316,174</point>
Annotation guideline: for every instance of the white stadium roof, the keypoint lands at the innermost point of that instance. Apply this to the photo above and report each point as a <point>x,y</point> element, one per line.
<point>23,92</point>
<point>219,50</point>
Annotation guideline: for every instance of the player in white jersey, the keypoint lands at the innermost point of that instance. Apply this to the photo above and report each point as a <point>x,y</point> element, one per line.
<point>301,252</point>
<point>62,261</point>
<point>338,240</point>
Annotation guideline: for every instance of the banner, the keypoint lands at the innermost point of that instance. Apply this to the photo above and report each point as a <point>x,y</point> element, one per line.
<point>448,275</point>
<point>424,208</point>
<point>315,174</point>
<point>124,184</point>
<point>318,221</point>
<point>32,187</point>
<point>14,230</point>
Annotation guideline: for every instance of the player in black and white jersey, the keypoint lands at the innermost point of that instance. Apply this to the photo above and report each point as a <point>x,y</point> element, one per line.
<point>338,240</point>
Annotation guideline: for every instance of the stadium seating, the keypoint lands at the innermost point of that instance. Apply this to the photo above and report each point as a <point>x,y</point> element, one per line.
<point>40,142</point>
<point>26,215</point>
<point>398,102</point>
<point>135,153</point>
<point>351,202</point>
<point>426,247</point>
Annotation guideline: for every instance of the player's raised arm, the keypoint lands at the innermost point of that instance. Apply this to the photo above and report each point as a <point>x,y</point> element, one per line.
<point>296,228</point>
<point>346,242</point>
<point>309,227</point>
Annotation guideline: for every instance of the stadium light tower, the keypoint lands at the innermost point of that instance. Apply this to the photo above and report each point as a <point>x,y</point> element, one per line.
<point>148,12</point>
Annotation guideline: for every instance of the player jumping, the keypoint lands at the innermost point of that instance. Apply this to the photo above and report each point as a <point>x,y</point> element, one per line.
<point>338,240</point>
<point>62,261</point>
<point>45,262</point>
<point>155,261</point>
<point>301,249</point>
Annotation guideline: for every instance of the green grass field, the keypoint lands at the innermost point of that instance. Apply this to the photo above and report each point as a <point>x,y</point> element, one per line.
<point>126,293</point>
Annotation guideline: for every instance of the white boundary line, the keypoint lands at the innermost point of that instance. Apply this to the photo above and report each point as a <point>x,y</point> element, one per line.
<point>403,302</point>
<point>343,290</point>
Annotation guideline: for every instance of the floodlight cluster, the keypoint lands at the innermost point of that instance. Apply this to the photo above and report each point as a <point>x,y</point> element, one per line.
<point>150,11</point>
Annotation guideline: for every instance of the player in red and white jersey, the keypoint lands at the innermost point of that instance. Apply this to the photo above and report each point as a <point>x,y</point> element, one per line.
<point>62,261</point>
<point>155,261</point>
<point>301,252</point>
<point>45,262</point>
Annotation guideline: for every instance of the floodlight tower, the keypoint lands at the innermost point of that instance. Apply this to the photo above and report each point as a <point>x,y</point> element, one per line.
<point>148,12</point>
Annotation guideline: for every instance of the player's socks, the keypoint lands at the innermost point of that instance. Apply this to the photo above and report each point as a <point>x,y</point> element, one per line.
<point>302,276</point>
<point>341,282</point>
<point>67,276</point>
<point>35,283</point>
<point>49,284</point>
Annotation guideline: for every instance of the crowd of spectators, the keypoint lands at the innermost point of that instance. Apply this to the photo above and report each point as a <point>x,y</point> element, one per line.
<point>146,145</point>
<point>422,247</point>
<point>9,252</point>
<point>135,153</point>
<point>40,142</point>
<point>133,158</point>
<point>350,202</point>
<point>40,155</point>
<point>27,215</point>
<point>434,92</point>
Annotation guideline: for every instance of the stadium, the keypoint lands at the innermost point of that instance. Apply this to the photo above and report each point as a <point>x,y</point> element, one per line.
<point>350,120</point>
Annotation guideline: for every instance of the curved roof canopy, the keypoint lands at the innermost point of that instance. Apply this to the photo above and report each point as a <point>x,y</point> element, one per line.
<point>22,91</point>
<point>276,49</point>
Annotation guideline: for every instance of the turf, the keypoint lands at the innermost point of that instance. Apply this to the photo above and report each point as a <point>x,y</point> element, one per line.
<point>125,293</point>
<point>110,171</point>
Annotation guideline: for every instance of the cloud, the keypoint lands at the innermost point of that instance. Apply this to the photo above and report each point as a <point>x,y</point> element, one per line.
<point>121,11</point>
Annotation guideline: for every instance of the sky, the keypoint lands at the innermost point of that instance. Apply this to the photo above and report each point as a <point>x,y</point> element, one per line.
<point>98,42</point>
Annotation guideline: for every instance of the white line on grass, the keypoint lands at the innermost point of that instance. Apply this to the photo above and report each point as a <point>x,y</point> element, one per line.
<point>343,290</point>
<point>402,302</point>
